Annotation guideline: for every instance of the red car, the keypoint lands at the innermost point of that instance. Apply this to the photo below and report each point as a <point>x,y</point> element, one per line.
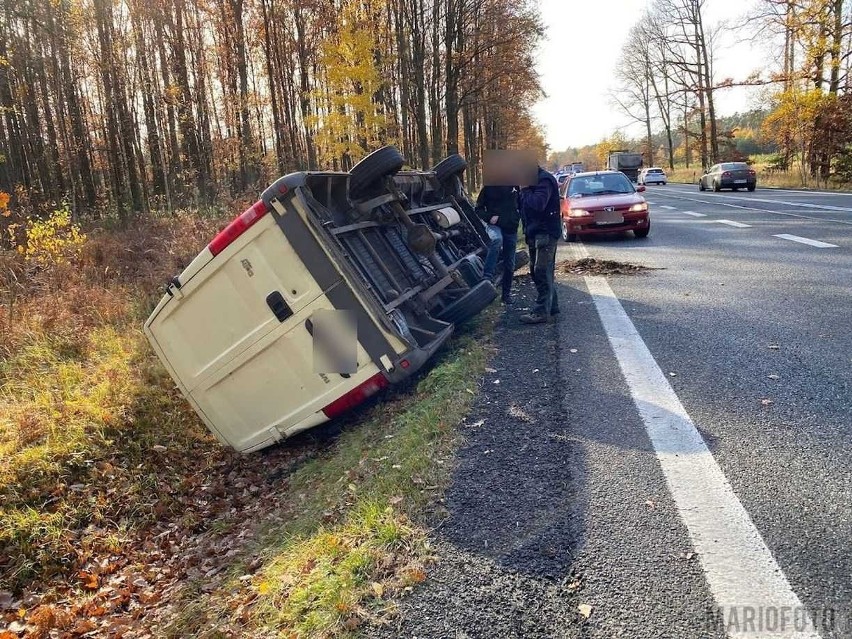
<point>602,202</point>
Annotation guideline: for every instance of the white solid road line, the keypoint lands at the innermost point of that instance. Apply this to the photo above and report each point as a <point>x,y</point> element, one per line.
<point>740,570</point>
<point>738,225</point>
<point>804,240</point>
<point>694,214</point>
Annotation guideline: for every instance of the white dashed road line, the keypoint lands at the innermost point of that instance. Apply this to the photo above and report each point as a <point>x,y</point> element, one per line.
<point>668,208</point>
<point>752,208</point>
<point>694,214</point>
<point>738,225</point>
<point>804,240</point>
<point>739,568</point>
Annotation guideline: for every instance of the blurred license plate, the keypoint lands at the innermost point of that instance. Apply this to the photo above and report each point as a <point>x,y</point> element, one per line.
<point>739,181</point>
<point>609,217</point>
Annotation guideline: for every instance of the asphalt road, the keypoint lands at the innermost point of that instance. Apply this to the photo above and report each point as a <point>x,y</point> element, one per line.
<point>684,465</point>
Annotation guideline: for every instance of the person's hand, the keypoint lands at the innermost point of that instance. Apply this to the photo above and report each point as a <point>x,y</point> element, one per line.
<point>494,219</point>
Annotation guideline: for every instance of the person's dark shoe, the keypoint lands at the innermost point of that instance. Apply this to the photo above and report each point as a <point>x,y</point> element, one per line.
<point>533,318</point>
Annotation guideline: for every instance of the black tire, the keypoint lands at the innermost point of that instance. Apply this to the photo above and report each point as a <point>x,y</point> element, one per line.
<point>471,270</point>
<point>366,175</point>
<point>752,188</point>
<point>450,166</point>
<point>701,185</point>
<point>470,304</point>
<point>642,233</point>
<point>716,187</point>
<point>522,259</point>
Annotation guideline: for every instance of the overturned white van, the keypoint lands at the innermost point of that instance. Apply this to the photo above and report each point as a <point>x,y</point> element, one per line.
<point>399,253</point>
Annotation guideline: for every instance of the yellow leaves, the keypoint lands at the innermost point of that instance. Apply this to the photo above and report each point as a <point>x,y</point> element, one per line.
<point>4,204</point>
<point>264,587</point>
<point>52,241</point>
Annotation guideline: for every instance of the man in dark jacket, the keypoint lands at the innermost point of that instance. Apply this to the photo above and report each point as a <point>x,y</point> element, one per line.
<point>542,228</point>
<point>498,208</point>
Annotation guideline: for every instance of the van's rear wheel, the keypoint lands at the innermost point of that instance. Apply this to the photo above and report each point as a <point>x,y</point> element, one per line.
<point>449,166</point>
<point>470,304</point>
<point>367,174</point>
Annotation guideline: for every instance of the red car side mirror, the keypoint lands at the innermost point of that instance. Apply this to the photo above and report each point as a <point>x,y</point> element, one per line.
<point>640,188</point>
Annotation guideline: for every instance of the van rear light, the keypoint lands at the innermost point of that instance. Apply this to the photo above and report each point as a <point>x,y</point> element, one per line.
<point>239,226</point>
<point>751,172</point>
<point>726,174</point>
<point>356,396</point>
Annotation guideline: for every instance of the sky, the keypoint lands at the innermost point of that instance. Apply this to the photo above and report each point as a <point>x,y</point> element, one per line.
<point>583,44</point>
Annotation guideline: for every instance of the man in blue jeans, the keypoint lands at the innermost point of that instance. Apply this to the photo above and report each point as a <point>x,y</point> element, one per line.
<point>498,208</point>
<point>542,228</point>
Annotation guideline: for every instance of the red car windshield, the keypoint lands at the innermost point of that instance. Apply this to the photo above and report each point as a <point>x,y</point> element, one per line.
<point>606,184</point>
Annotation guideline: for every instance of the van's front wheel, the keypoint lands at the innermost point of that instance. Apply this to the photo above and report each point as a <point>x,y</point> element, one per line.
<point>366,175</point>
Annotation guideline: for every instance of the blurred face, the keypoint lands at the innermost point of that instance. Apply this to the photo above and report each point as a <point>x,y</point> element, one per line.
<point>501,167</point>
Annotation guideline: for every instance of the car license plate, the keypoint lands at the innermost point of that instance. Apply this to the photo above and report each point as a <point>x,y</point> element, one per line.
<point>609,217</point>
<point>739,181</point>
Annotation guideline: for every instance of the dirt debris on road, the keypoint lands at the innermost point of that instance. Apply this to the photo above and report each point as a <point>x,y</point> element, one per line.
<point>593,266</point>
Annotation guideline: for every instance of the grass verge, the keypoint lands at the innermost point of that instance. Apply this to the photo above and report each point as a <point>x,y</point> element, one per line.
<point>354,538</point>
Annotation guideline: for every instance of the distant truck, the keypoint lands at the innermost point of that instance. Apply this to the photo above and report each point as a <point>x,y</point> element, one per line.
<point>628,163</point>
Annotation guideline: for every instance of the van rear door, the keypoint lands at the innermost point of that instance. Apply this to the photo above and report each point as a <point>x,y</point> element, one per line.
<point>226,306</point>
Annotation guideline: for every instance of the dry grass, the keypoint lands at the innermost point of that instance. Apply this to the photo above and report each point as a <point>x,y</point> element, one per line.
<point>82,399</point>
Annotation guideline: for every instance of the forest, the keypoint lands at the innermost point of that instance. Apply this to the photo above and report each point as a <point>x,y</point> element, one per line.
<point>121,108</point>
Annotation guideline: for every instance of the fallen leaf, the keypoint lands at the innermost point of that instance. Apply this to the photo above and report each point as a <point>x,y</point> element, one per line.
<point>263,587</point>
<point>585,610</point>
<point>90,580</point>
<point>575,585</point>
<point>378,589</point>
<point>572,350</point>
<point>766,402</point>
<point>160,448</point>
<point>650,504</point>
<point>496,381</point>
<point>773,376</point>
<point>490,370</point>
<point>395,500</point>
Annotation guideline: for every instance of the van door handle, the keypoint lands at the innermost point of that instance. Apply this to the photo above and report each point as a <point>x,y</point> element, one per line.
<point>276,302</point>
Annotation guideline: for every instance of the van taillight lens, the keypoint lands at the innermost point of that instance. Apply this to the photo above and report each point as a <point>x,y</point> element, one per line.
<point>356,396</point>
<point>239,226</point>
